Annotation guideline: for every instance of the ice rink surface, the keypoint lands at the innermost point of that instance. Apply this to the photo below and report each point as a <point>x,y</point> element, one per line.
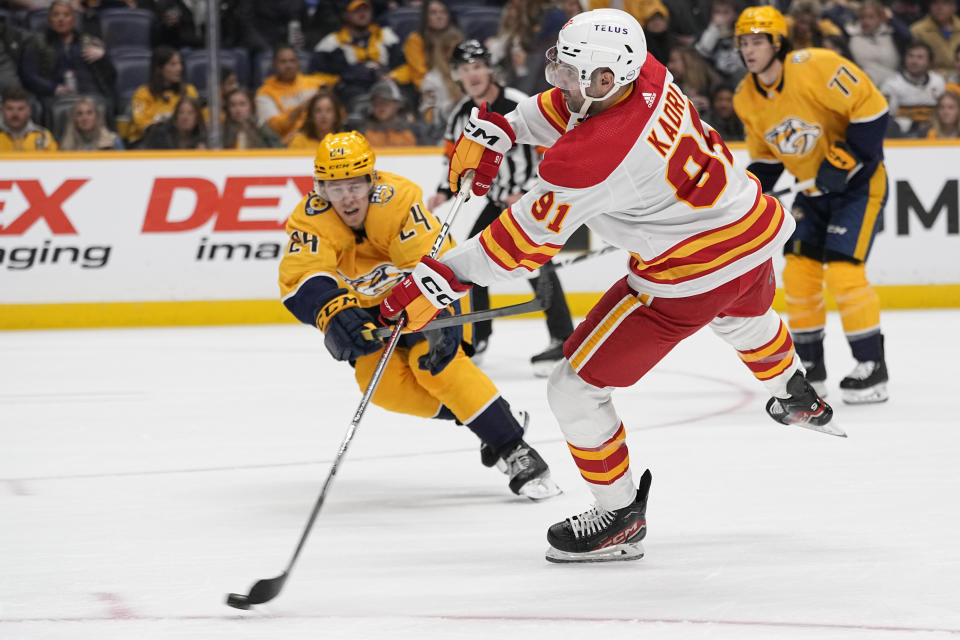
<point>146,473</point>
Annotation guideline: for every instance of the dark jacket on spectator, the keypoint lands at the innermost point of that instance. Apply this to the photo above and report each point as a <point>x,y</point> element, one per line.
<point>730,129</point>
<point>237,28</point>
<point>272,20</point>
<point>12,41</point>
<point>163,135</point>
<point>182,33</point>
<point>46,59</point>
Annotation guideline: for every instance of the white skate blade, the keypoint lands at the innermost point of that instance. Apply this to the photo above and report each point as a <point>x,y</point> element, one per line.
<point>876,393</point>
<point>832,428</point>
<point>628,551</point>
<point>540,488</point>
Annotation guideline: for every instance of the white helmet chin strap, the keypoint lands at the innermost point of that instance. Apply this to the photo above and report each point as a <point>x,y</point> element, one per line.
<point>587,100</point>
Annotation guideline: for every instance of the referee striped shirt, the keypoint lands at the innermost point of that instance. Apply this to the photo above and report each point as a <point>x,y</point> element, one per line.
<point>518,172</point>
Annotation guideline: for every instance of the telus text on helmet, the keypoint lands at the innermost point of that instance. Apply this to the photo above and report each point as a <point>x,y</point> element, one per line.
<point>610,28</point>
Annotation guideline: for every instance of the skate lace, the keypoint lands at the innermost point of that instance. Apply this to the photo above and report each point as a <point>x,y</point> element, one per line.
<point>590,521</point>
<point>863,370</point>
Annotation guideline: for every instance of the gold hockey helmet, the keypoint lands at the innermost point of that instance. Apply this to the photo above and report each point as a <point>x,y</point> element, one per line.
<point>344,155</point>
<point>765,19</point>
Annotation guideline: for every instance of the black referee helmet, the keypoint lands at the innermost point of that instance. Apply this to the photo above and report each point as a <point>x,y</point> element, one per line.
<point>470,51</point>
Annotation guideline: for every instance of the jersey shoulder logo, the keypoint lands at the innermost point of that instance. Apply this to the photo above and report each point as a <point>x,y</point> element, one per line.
<point>316,205</point>
<point>375,282</point>
<point>381,194</point>
<point>649,97</point>
<point>800,57</point>
<point>793,136</point>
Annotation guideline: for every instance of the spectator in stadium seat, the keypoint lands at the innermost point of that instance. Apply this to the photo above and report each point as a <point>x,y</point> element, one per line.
<point>876,40</point>
<point>385,124</point>
<point>837,44</point>
<point>361,53</point>
<point>423,48</point>
<point>179,23</point>
<point>805,25</point>
<point>908,11</point>
<point>228,83</point>
<point>279,22</point>
<point>953,80</point>
<point>716,43</point>
<point>86,130</point>
<point>238,28</point>
<point>912,93</point>
<point>945,120</point>
<point>283,97</point>
<point>65,62</point>
<point>240,128</point>
<point>155,101</point>
<point>661,39</point>
<point>184,129</point>
<point>17,131</point>
<point>722,116</point>
<point>941,30</point>
<point>439,91</point>
<point>325,114</point>
<point>12,41</point>
<point>693,75</point>
<point>527,29</point>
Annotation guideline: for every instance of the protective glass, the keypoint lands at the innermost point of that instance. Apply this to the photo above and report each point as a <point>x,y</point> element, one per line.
<point>561,74</point>
<point>339,190</point>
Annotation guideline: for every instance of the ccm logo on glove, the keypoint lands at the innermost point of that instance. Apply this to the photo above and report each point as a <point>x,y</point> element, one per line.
<point>485,138</point>
<point>430,287</point>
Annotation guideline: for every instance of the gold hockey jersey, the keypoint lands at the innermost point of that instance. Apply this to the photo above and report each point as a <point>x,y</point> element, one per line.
<point>818,95</point>
<point>398,231</point>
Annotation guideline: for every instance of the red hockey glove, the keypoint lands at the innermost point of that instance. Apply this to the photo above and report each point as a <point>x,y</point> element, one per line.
<point>430,287</point>
<point>485,138</point>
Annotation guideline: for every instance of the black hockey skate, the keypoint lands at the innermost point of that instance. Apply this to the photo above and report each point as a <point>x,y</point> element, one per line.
<point>804,408</point>
<point>529,474</point>
<point>817,376</point>
<point>866,384</point>
<point>544,361</point>
<point>598,535</point>
<point>489,457</point>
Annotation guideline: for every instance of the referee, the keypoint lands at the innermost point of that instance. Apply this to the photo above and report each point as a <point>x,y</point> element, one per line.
<point>471,68</point>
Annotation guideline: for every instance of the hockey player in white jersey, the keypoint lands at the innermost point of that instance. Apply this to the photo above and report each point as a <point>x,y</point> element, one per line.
<point>629,157</point>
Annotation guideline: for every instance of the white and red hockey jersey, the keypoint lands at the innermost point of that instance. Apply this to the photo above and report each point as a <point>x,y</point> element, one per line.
<point>646,175</point>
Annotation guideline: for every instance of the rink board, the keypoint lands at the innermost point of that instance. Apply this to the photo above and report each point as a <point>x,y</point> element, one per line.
<point>150,238</point>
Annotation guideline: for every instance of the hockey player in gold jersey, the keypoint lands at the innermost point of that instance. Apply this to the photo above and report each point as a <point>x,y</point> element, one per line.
<point>820,117</point>
<point>350,241</point>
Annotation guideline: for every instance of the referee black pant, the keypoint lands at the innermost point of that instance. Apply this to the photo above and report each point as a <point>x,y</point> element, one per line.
<point>559,322</point>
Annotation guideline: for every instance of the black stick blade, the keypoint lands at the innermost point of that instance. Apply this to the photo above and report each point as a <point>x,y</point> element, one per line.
<point>267,590</point>
<point>238,601</point>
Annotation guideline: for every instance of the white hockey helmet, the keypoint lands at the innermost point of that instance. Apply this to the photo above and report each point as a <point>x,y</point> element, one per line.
<point>602,38</point>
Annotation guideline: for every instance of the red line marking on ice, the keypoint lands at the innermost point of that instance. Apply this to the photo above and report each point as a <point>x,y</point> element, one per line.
<point>115,605</point>
<point>824,626</point>
<point>743,398</point>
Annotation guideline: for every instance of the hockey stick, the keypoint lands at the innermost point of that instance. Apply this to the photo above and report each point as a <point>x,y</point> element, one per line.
<point>796,187</point>
<point>566,262</point>
<point>534,304</point>
<point>266,590</point>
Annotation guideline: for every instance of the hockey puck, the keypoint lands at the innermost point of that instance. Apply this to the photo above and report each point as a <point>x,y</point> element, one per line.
<point>238,601</point>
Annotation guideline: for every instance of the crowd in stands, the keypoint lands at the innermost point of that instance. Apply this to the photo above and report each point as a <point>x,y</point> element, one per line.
<point>131,74</point>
